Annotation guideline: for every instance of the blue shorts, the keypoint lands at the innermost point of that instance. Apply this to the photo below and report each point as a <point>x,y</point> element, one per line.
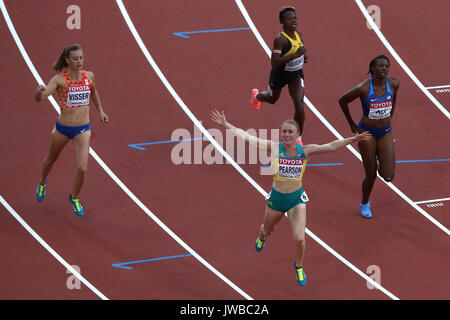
<point>72,132</point>
<point>283,202</point>
<point>377,133</point>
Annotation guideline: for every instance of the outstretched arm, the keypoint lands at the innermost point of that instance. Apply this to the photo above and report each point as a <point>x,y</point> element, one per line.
<point>336,144</point>
<point>219,117</point>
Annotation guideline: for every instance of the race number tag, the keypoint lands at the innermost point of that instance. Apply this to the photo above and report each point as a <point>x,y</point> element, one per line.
<point>295,64</point>
<point>380,110</point>
<point>78,96</point>
<point>290,169</point>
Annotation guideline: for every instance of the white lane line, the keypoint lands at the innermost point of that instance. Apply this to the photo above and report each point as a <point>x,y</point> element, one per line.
<point>399,60</point>
<point>109,171</point>
<point>50,250</point>
<point>334,131</point>
<point>437,87</point>
<point>435,200</point>
<point>219,148</point>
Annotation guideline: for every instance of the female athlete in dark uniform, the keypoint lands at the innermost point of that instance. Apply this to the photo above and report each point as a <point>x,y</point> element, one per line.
<point>288,56</point>
<point>378,96</point>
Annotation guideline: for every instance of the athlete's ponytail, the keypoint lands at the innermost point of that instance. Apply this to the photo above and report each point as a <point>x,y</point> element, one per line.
<point>61,62</point>
<point>381,56</point>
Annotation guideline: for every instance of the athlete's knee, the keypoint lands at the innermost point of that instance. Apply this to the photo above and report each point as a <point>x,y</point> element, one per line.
<point>272,99</point>
<point>50,159</point>
<point>299,239</point>
<point>82,169</point>
<point>388,178</point>
<point>371,176</point>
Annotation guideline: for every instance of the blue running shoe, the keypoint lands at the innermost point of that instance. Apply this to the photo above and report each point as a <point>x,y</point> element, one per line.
<point>40,192</point>
<point>77,208</point>
<point>365,210</point>
<point>301,276</point>
<point>259,245</point>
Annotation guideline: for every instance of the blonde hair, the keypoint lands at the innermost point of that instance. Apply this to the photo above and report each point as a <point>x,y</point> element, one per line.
<point>61,62</point>
<point>292,122</point>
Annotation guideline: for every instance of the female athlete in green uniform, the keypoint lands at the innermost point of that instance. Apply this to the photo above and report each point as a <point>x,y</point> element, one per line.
<point>289,160</point>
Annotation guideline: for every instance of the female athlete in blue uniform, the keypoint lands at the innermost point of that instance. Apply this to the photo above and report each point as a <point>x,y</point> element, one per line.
<point>288,56</point>
<point>289,160</point>
<point>378,96</point>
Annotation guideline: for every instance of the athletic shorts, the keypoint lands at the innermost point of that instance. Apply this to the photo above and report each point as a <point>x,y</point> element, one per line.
<point>283,202</point>
<point>72,132</point>
<point>377,133</point>
<point>279,77</point>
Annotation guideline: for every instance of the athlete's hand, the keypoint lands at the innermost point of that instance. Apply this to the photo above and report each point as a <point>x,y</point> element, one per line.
<point>218,117</point>
<point>362,136</point>
<point>38,94</point>
<point>104,117</point>
<point>306,58</point>
<point>300,52</point>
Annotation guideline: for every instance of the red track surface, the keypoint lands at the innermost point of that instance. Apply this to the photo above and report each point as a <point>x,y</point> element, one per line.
<point>212,207</point>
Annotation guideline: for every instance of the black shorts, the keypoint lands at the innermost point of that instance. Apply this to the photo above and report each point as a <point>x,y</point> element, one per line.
<point>279,78</point>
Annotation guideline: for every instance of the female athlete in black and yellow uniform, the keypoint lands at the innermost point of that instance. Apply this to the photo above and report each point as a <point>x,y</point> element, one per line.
<point>288,56</point>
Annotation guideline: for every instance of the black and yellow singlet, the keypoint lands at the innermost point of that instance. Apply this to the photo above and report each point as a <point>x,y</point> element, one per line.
<point>292,48</point>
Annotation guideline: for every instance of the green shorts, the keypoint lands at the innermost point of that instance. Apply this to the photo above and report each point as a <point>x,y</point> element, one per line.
<point>283,202</point>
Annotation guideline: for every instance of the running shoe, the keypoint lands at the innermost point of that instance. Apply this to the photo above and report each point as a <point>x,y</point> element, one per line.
<point>77,208</point>
<point>365,210</point>
<point>255,103</point>
<point>259,245</point>
<point>299,141</point>
<point>40,192</point>
<point>301,276</point>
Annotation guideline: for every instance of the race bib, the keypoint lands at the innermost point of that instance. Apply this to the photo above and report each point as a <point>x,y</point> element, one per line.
<point>290,169</point>
<point>295,64</point>
<point>380,110</point>
<point>78,96</point>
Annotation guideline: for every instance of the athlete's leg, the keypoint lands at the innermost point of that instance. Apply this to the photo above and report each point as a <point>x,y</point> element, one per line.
<point>57,143</point>
<point>297,93</point>
<point>271,96</point>
<point>297,218</point>
<point>271,219</point>
<point>81,145</point>
<point>368,153</point>
<point>386,157</point>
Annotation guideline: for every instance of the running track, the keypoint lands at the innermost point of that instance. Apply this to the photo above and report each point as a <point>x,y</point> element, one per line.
<point>212,208</point>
